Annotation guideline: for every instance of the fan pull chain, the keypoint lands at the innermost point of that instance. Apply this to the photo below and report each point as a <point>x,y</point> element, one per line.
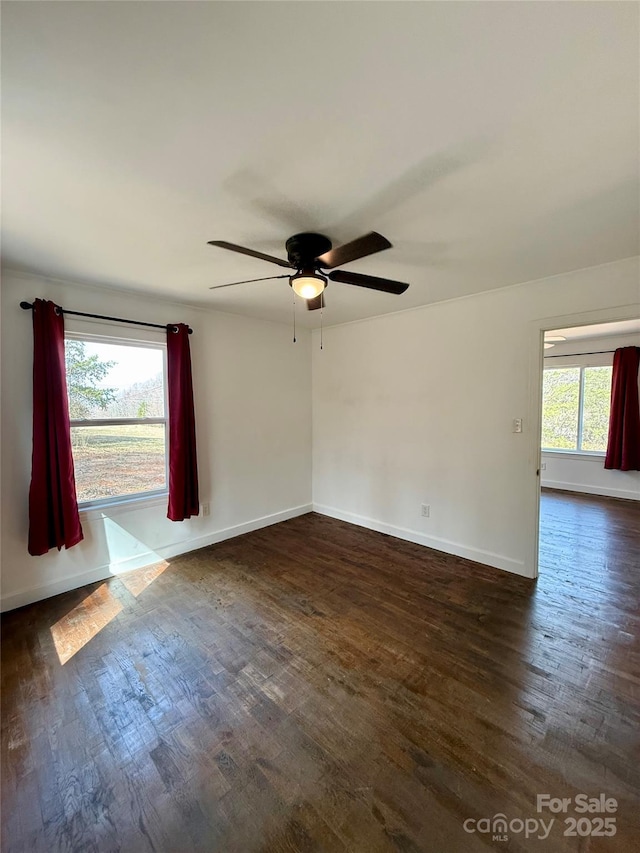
<point>321,313</point>
<point>294,315</point>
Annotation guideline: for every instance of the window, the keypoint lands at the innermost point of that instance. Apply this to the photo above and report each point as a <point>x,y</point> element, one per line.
<point>575,409</point>
<point>117,407</point>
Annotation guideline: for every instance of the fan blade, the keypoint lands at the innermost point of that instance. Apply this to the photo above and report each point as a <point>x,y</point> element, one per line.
<point>386,285</point>
<point>317,302</point>
<point>247,281</point>
<point>251,252</point>
<point>369,244</point>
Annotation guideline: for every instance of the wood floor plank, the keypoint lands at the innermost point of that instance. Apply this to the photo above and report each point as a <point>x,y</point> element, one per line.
<point>315,686</point>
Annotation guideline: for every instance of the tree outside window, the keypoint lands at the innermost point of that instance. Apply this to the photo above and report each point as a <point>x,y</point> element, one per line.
<point>575,408</point>
<point>117,410</point>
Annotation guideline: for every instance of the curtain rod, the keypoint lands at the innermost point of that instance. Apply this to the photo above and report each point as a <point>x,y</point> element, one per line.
<point>574,354</point>
<point>29,305</point>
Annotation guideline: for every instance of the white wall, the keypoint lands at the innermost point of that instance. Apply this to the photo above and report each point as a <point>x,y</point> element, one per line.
<point>253,421</point>
<point>417,407</point>
<point>587,474</point>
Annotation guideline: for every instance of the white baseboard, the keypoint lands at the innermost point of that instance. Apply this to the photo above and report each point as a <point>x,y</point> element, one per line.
<point>626,494</point>
<point>237,530</point>
<point>100,573</point>
<point>488,558</point>
<point>38,593</point>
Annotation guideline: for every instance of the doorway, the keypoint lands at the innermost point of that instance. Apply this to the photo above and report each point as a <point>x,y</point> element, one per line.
<point>578,500</point>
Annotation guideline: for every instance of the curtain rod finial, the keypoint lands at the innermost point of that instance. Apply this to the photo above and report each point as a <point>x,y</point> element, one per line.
<point>26,305</point>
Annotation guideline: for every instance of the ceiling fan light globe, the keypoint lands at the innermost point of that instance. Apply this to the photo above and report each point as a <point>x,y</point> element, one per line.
<point>309,289</point>
<point>308,286</point>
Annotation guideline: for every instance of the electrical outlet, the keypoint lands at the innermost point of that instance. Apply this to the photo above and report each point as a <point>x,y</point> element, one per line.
<point>543,466</point>
<point>517,424</point>
<point>426,509</point>
<point>205,510</point>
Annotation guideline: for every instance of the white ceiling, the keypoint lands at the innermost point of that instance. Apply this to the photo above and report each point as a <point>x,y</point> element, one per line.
<point>492,143</point>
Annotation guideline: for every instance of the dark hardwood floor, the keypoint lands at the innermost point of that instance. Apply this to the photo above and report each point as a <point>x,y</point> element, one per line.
<point>316,686</point>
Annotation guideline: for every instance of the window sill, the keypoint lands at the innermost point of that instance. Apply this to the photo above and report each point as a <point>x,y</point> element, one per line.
<point>109,508</point>
<point>573,454</point>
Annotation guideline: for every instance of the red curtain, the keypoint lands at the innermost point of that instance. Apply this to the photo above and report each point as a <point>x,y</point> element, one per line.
<point>183,466</point>
<point>53,507</point>
<point>623,446</point>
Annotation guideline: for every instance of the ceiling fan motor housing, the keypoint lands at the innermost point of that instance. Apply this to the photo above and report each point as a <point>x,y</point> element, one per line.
<point>303,249</point>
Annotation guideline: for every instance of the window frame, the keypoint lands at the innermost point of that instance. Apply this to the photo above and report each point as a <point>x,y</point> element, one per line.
<point>150,495</point>
<point>565,363</point>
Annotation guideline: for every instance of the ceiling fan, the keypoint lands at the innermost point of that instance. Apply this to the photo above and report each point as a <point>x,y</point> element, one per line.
<point>309,253</point>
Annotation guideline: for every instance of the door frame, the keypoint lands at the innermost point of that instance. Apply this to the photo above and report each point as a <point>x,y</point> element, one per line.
<point>537,328</point>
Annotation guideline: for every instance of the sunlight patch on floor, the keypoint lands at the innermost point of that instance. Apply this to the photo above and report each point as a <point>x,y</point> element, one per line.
<point>80,625</point>
<point>139,580</point>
